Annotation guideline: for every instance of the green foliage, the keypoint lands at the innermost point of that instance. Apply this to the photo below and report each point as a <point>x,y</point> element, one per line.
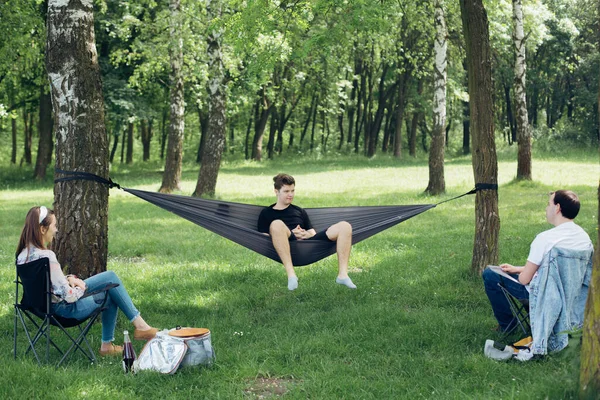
<point>414,328</point>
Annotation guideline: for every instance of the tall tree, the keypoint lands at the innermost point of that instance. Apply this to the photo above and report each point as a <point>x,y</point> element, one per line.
<point>437,184</point>
<point>589,376</point>
<point>217,91</point>
<point>81,206</point>
<point>172,173</point>
<point>485,163</point>
<point>523,132</point>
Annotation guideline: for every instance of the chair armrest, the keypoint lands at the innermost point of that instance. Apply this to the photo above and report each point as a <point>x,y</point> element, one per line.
<point>101,290</point>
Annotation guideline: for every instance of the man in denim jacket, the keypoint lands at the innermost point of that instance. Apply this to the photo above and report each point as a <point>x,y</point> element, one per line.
<point>563,206</point>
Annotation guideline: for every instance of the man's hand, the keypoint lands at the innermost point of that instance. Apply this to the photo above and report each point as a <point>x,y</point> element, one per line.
<point>299,233</point>
<point>511,269</point>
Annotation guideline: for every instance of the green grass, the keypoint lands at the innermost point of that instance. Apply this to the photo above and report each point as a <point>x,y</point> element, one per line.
<point>415,328</point>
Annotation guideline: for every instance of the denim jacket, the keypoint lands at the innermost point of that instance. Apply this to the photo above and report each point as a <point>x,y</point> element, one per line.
<point>557,297</point>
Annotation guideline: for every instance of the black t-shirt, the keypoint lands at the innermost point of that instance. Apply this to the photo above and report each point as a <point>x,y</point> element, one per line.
<point>292,216</point>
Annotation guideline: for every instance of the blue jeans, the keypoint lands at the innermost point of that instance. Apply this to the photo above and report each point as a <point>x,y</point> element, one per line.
<point>499,303</point>
<point>118,298</point>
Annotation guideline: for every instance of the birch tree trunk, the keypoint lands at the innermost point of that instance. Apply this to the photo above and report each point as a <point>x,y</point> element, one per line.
<point>437,183</point>
<point>523,132</point>
<point>81,206</point>
<point>45,131</point>
<point>172,174</point>
<point>215,141</point>
<point>485,163</point>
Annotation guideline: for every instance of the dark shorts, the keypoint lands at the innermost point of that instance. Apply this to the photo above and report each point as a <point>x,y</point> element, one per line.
<point>322,235</point>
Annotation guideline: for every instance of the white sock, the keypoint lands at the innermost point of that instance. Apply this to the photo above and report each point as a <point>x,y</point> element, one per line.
<point>346,281</point>
<point>292,283</point>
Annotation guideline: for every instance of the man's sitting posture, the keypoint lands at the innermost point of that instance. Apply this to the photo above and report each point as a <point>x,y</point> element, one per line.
<point>563,206</point>
<point>284,222</point>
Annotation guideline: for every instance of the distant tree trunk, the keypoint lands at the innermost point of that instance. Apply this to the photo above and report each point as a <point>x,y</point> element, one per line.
<point>81,206</point>
<point>45,132</point>
<point>129,153</point>
<point>172,173</point>
<point>27,136</point>
<point>313,103</point>
<point>123,147</point>
<point>146,134</point>
<point>314,124</point>
<point>114,147</point>
<point>437,184</point>
<point>13,154</point>
<point>163,133</point>
<point>589,376</point>
<point>261,116</point>
<point>203,120</point>
<point>272,131</point>
<point>412,138</point>
<point>485,163</point>
<point>523,132</point>
<point>217,122</point>
<point>510,119</point>
<point>248,129</point>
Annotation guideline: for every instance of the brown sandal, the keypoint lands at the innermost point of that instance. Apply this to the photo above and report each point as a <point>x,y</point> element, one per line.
<point>113,351</point>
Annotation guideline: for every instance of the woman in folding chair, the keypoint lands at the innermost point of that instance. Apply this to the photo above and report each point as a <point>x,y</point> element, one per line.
<point>38,232</point>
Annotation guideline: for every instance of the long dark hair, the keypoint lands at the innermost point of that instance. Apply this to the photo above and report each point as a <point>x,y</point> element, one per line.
<point>32,231</point>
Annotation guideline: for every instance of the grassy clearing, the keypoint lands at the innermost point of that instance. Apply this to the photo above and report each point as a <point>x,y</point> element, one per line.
<point>415,328</point>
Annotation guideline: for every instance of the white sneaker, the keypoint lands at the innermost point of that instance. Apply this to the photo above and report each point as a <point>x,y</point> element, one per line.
<point>497,351</point>
<point>524,355</point>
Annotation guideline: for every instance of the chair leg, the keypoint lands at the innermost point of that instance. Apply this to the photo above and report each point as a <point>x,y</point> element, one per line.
<point>520,315</point>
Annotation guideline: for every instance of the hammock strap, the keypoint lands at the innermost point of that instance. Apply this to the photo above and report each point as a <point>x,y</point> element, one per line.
<point>85,176</point>
<point>478,187</point>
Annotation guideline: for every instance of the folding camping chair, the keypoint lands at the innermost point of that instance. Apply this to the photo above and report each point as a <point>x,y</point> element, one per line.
<point>36,302</point>
<point>520,311</point>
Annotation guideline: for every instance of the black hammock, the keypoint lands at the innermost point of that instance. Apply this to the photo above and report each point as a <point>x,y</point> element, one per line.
<point>238,222</point>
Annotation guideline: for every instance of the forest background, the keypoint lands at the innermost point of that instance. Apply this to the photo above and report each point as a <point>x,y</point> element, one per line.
<point>317,77</point>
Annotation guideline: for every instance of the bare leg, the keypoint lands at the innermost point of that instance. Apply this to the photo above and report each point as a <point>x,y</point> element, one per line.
<point>280,235</point>
<point>341,234</point>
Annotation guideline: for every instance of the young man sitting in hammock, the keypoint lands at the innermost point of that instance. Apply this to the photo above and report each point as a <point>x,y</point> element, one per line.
<point>285,222</point>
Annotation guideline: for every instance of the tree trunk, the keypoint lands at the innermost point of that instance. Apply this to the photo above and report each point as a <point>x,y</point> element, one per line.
<point>81,207</point>
<point>27,136</point>
<point>437,184</point>
<point>248,128</point>
<point>272,131</point>
<point>163,133</point>
<point>412,138</point>
<point>313,103</point>
<point>13,153</point>
<point>314,124</point>
<point>217,122</point>
<point>510,119</point>
<point>203,120</point>
<point>172,174</point>
<point>485,163</point>
<point>261,116</point>
<point>146,134</point>
<point>45,133</point>
<point>523,132</point>
<point>129,153</point>
<point>123,147</point>
<point>589,375</point>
